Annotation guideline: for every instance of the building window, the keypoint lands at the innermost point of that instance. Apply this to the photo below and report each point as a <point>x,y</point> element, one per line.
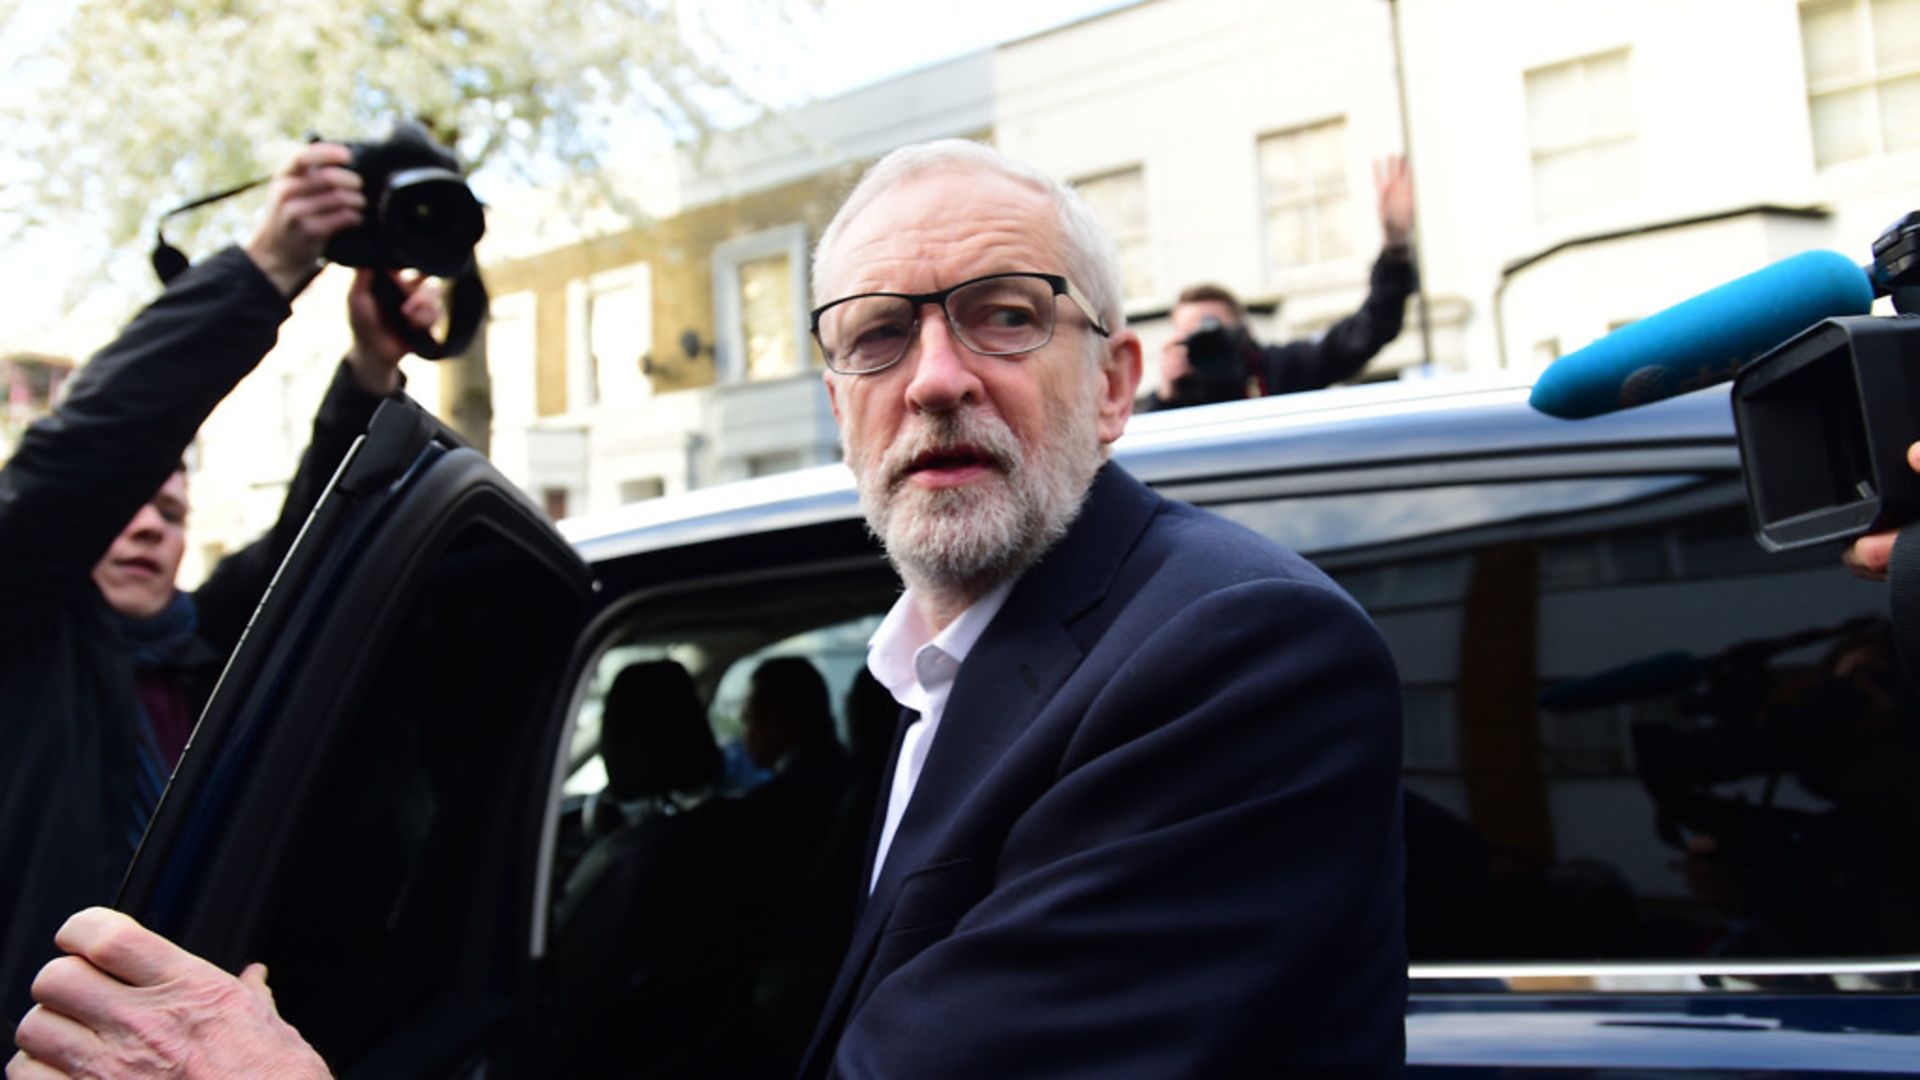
<point>1119,202</point>
<point>778,461</point>
<point>1304,195</point>
<point>1863,76</point>
<point>1580,129</point>
<point>760,306</point>
<point>554,501</point>
<point>610,331</point>
<point>646,487</point>
<point>766,289</point>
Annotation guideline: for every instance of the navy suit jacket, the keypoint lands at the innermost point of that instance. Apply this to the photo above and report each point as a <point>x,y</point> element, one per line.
<point>1157,833</point>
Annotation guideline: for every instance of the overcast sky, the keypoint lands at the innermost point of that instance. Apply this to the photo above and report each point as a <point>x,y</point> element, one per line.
<point>873,39</point>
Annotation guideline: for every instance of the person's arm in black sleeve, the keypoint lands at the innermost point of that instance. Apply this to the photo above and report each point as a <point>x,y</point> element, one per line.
<point>369,375</point>
<point>80,473</point>
<point>1343,351</point>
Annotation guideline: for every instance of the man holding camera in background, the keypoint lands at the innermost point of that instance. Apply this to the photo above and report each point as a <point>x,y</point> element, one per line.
<point>104,664</point>
<point>1212,357</point>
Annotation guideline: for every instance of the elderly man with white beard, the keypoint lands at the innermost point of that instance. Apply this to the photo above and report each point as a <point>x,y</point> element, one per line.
<point>1144,811</point>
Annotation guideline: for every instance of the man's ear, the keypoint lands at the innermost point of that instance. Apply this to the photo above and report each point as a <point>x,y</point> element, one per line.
<point>1119,379</point>
<point>833,398</point>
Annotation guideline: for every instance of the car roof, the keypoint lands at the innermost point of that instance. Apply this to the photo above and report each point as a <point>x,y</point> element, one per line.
<point>1380,424</point>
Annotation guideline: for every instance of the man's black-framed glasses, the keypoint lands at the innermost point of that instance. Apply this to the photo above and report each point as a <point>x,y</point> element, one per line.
<point>995,315</point>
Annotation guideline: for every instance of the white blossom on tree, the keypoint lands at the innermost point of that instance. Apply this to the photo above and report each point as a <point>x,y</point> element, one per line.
<point>125,108</point>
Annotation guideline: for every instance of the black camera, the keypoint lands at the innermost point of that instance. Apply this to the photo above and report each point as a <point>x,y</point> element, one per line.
<point>1214,349</point>
<point>1825,418</point>
<point>1217,353</point>
<point>420,212</point>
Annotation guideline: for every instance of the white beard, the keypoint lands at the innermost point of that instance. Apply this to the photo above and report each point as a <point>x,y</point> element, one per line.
<point>971,538</point>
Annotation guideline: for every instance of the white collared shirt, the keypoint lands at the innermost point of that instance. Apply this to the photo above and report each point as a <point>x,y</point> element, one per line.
<point>918,669</point>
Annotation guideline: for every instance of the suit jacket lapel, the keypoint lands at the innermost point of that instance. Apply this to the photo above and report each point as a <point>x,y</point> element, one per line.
<point>1012,672</point>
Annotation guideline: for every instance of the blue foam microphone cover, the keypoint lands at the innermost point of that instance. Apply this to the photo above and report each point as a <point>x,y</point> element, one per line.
<point>1704,340</point>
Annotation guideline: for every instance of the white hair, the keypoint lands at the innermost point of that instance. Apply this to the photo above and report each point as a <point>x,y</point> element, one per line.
<point>1093,262</point>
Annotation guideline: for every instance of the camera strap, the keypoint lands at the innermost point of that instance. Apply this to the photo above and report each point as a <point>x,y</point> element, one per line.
<point>1903,599</point>
<point>466,306</point>
<point>170,262</point>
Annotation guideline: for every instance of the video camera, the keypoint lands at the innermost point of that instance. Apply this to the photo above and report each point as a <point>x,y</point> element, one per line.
<point>1825,418</point>
<point>1826,398</point>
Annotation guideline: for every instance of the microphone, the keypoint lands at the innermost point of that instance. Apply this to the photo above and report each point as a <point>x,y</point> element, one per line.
<point>1703,340</point>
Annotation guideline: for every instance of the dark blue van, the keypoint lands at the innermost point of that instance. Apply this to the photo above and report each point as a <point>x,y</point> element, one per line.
<point>1661,799</point>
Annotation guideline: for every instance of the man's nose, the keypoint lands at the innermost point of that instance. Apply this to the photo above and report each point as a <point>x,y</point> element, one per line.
<point>943,375</point>
<point>147,523</point>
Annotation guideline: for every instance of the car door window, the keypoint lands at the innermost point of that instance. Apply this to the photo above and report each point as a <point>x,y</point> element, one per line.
<point>1631,735</point>
<point>704,879</point>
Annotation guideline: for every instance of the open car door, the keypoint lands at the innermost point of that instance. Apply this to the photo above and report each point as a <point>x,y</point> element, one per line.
<point>362,803</point>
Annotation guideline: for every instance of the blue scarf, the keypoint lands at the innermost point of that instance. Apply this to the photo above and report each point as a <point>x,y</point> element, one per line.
<point>152,643</point>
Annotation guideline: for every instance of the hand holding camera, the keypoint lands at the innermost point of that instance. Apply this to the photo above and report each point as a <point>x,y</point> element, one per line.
<point>397,204</point>
<point>314,196</point>
<point>1869,555</point>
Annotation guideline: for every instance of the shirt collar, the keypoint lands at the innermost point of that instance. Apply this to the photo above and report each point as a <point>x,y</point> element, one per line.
<point>897,652</point>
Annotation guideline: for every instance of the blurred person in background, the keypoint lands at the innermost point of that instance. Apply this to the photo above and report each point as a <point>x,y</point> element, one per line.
<point>1213,357</point>
<point>104,662</point>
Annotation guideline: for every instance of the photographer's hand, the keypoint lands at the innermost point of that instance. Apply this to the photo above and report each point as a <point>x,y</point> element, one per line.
<point>377,348</point>
<point>314,196</point>
<point>1393,183</point>
<point>1868,556</point>
<point>1174,364</point>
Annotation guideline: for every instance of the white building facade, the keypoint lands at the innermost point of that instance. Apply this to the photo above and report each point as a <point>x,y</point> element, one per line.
<point>1577,166</point>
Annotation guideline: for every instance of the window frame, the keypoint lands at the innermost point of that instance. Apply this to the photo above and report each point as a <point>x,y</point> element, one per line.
<point>729,327</point>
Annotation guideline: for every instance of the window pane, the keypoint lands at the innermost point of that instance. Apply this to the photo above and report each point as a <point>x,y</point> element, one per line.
<point>1830,35</point>
<point>1581,125</point>
<point>1287,238</point>
<point>1842,126</point>
<point>1609,96</point>
<point>1283,168</point>
<point>1615,755</point>
<point>684,855</point>
<point>1327,158</point>
<point>1555,116</point>
<point>1896,34</point>
<point>1900,113</point>
<point>766,315</point>
<point>1119,201</point>
<point>1303,182</point>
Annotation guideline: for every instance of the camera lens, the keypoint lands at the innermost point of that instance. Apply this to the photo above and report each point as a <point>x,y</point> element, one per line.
<point>431,220</point>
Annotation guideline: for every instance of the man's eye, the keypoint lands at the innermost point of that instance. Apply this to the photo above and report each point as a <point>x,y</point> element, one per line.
<point>879,335</point>
<point>1006,317</point>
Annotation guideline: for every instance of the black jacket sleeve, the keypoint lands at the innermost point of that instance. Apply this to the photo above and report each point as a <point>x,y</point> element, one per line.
<point>227,598</point>
<point>1345,348</point>
<point>79,474</point>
